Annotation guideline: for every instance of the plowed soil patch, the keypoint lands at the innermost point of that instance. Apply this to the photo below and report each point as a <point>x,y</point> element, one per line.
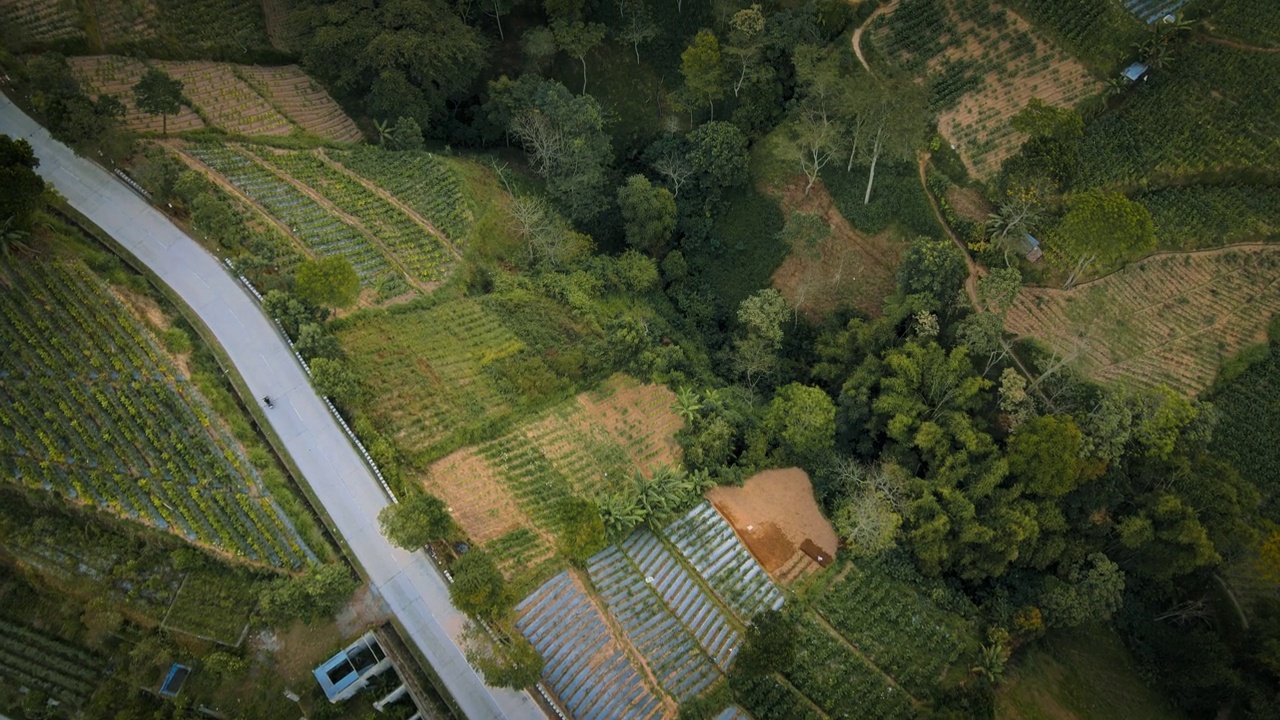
<point>774,512</point>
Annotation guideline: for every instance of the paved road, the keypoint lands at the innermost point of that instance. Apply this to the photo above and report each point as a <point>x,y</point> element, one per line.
<point>409,582</point>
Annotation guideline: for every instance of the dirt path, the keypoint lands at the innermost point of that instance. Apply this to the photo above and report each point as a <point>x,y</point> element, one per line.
<point>856,40</point>
<point>971,282</point>
<point>395,201</point>
<point>1228,42</point>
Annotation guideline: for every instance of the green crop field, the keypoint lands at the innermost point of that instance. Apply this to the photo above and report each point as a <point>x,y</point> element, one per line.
<point>1256,22</point>
<point>1199,216</point>
<point>858,690</point>
<point>433,374</point>
<point>92,409</point>
<point>211,605</point>
<point>37,661</point>
<point>1216,111</point>
<point>899,628</point>
<point>422,254</point>
<point>424,182</point>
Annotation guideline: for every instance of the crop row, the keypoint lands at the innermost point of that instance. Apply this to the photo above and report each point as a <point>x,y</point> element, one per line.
<point>585,666</point>
<point>710,545</point>
<point>42,20</point>
<point>420,252</point>
<point>315,226</point>
<point>1197,216</point>
<point>90,407</point>
<point>423,181</point>
<point>682,594</point>
<point>858,690</point>
<point>670,650</point>
<point>40,662</point>
<point>426,369</point>
<point>904,633</point>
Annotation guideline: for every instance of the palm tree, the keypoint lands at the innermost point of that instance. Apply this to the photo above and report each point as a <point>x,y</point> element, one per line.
<point>687,404</point>
<point>384,131</point>
<point>12,240</point>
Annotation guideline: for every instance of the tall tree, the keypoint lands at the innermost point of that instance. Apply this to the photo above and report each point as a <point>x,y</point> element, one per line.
<point>419,518</point>
<point>650,214</point>
<point>23,188</point>
<point>157,93</point>
<point>896,126</point>
<point>400,57</point>
<point>746,35</point>
<point>637,24</point>
<point>577,39</point>
<point>703,71</point>
<point>1105,227</point>
<point>755,353</point>
<point>329,281</point>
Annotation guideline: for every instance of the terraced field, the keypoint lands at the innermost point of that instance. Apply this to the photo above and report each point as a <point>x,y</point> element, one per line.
<point>506,492</point>
<point>663,611</point>
<point>422,254</point>
<point>709,544</point>
<point>587,668</point>
<point>241,99</point>
<point>316,227</point>
<point>983,64</point>
<point>1169,319</point>
<point>92,409</point>
<point>421,180</point>
<point>36,661</point>
<point>115,75</point>
<point>668,647</point>
<point>303,101</point>
<point>34,21</point>
<point>903,632</point>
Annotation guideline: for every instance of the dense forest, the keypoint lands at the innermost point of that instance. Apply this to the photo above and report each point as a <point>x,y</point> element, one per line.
<point>614,186</point>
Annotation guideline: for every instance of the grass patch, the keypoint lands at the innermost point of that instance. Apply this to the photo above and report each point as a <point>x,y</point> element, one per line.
<point>897,200</point>
<point>748,233</point>
<point>213,605</point>
<point>1084,674</point>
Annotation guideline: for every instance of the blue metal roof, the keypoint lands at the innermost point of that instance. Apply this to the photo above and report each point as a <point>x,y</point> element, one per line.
<point>1135,71</point>
<point>173,681</point>
<point>331,688</point>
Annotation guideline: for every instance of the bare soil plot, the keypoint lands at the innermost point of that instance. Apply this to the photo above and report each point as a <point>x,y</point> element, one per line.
<point>476,496</point>
<point>115,75</point>
<point>300,98</point>
<point>1015,64</point>
<point>1171,318</point>
<point>969,203</point>
<point>226,100</point>
<point>846,268</point>
<point>776,514</point>
<point>640,418</point>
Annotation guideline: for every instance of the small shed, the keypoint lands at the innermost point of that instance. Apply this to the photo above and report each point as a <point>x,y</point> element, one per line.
<point>174,680</point>
<point>1031,247</point>
<point>1137,72</point>
<point>348,672</point>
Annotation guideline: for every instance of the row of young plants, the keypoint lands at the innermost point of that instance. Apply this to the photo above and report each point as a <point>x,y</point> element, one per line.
<point>40,662</point>
<point>1189,217</point>
<point>585,667</point>
<point>315,226</point>
<point>92,409</point>
<point>418,251</point>
<point>905,633</point>
<point>857,691</point>
<point>421,180</point>
<point>1215,114</point>
<point>429,372</point>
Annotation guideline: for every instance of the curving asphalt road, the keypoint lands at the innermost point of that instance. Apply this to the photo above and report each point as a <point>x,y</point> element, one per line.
<point>410,584</point>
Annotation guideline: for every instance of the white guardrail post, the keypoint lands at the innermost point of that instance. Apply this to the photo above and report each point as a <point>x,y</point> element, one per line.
<point>307,368</point>
<point>374,466</point>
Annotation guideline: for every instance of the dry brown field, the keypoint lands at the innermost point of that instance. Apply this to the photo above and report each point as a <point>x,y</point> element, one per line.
<point>1171,319</point>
